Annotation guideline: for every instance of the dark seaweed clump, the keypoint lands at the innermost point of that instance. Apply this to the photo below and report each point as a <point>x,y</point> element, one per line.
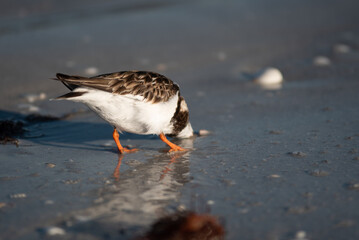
<point>185,226</point>
<point>9,130</point>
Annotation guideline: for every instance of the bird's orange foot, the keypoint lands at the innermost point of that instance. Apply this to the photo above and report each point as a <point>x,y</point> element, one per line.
<point>174,147</point>
<point>177,149</point>
<point>119,146</point>
<point>126,150</point>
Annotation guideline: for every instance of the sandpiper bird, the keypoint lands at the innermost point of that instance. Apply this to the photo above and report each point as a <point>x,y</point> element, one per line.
<point>138,102</point>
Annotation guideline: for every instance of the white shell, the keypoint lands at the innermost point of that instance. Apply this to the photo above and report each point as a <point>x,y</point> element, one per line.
<point>341,48</point>
<point>91,71</point>
<point>18,195</point>
<point>274,176</point>
<point>301,235</point>
<point>52,230</point>
<point>49,202</point>
<point>204,132</point>
<point>321,61</point>
<point>269,76</point>
<point>35,97</point>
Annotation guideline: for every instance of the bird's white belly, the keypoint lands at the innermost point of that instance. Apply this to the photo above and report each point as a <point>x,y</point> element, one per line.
<point>130,113</point>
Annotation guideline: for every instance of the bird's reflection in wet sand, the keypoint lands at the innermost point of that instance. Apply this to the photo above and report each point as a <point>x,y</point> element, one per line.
<point>173,158</point>
<point>167,168</point>
<point>141,193</point>
<point>170,165</point>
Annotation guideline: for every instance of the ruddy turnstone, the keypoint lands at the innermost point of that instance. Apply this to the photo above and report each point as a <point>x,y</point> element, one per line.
<point>138,102</point>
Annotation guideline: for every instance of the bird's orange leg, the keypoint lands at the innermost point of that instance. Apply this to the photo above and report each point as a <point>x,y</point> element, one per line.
<point>174,147</point>
<point>119,146</point>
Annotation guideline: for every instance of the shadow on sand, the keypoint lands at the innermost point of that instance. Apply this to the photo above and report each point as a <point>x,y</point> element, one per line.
<point>60,132</point>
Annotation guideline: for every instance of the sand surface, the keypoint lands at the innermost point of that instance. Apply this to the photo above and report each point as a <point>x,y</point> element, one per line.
<point>281,163</point>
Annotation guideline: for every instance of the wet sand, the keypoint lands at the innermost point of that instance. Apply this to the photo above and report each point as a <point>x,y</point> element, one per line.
<point>280,163</point>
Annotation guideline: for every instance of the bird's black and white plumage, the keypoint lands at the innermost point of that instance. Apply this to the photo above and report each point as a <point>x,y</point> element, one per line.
<point>138,102</point>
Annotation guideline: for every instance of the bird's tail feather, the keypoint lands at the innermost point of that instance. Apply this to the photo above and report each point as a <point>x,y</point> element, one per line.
<point>70,95</point>
<point>68,81</point>
<point>72,82</point>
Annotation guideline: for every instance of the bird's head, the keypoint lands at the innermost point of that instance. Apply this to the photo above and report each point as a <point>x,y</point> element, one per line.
<point>181,120</point>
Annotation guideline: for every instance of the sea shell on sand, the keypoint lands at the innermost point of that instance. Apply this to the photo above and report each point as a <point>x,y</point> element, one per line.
<point>269,76</point>
<point>31,98</point>
<point>204,132</point>
<point>18,195</point>
<point>53,230</point>
<point>91,71</point>
<point>341,48</point>
<point>321,61</point>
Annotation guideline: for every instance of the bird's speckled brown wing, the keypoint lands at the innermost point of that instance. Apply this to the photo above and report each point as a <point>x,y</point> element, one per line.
<point>153,87</point>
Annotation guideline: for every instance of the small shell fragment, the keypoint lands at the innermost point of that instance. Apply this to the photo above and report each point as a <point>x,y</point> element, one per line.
<point>352,186</point>
<point>321,61</point>
<point>301,235</point>
<point>49,202</point>
<point>297,154</point>
<point>91,70</point>
<point>50,165</point>
<point>70,181</point>
<point>269,76</point>
<point>341,48</point>
<point>31,98</point>
<point>319,173</point>
<point>18,195</point>
<point>80,218</point>
<point>204,132</point>
<point>108,143</point>
<point>274,176</point>
<point>275,132</point>
<point>345,223</point>
<point>181,208</point>
<point>52,231</point>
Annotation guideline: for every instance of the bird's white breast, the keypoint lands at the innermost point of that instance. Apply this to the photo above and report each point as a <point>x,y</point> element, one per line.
<point>130,113</point>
